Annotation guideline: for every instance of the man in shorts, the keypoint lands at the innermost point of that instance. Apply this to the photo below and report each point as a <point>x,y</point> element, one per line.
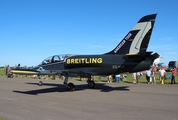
<point>162,74</point>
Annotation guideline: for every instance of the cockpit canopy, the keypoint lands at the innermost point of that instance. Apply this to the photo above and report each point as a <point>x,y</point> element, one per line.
<point>55,58</point>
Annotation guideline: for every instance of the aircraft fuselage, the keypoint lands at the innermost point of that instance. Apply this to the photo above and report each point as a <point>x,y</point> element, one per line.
<point>100,64</point>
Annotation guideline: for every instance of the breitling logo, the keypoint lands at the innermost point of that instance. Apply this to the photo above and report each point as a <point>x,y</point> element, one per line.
<point>84,61</point>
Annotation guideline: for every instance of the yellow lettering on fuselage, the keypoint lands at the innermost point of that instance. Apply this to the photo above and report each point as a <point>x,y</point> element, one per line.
<point>84,61</point>
<point>94,60</point>
<point>76,61</point>
<point>72,61</point>
<point>100,60</point>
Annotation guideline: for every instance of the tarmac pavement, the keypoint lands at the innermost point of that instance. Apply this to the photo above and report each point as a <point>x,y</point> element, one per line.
<point>23,99</point>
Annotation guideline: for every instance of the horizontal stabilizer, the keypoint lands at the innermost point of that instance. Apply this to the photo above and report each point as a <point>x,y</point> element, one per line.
<point>145,54</point>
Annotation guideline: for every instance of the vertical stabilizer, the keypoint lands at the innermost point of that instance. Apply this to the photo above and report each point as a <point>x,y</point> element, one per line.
<point>137,40</point>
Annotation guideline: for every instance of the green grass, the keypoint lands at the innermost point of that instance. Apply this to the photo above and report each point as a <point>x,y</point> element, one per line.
<point>2,72</point>
<point>2,118</point>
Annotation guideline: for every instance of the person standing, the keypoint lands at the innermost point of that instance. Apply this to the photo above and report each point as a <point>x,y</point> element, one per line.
<point>134,77</point>
<point>117,78</point>
<point>174,72</point>
<point>147,73</point>
<point>138,77</point>
<point>6,68</point>
<point>162,74</point>
<point>110,79</point>
<point>152,76</point>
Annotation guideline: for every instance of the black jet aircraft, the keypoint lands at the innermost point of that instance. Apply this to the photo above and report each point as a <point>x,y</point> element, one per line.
<point>129,55</point>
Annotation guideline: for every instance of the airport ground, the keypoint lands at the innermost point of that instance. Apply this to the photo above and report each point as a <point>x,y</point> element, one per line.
<point>23,99</point>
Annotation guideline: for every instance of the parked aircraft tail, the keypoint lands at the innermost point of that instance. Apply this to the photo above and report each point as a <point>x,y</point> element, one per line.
<point>137,40</point>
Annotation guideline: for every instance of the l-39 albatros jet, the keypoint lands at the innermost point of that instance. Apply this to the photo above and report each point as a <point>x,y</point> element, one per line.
<point>129,55</point>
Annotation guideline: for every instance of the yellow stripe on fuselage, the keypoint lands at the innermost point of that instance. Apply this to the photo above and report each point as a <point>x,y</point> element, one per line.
<point>24,72</point>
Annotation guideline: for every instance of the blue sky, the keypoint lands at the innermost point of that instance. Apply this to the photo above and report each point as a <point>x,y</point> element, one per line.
<point>32,30</point>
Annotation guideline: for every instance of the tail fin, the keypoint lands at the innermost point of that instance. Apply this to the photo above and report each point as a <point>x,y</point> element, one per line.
<point>137,40</point>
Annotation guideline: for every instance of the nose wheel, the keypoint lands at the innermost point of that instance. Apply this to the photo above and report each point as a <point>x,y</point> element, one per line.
<point>40,83</point>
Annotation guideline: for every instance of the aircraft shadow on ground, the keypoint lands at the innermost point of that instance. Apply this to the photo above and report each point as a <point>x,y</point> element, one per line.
<point>62,88</point>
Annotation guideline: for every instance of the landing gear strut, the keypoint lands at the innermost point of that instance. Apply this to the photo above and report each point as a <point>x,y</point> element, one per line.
<point>70,86</point>
<point>91,83</point>
<point>40,83</point>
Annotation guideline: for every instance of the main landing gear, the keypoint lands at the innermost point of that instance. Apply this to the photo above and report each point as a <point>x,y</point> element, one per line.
<point>91,84</point>
<point>70,86</point>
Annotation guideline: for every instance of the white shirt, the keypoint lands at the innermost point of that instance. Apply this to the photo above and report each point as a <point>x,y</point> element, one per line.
<point>117,75</point>
<point>138,73</point>
<point>162,72</point>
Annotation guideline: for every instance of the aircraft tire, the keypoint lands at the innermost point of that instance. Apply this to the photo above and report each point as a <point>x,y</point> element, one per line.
<point>40,83</point>
<point>91,84</point>
<point>71,87</point>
